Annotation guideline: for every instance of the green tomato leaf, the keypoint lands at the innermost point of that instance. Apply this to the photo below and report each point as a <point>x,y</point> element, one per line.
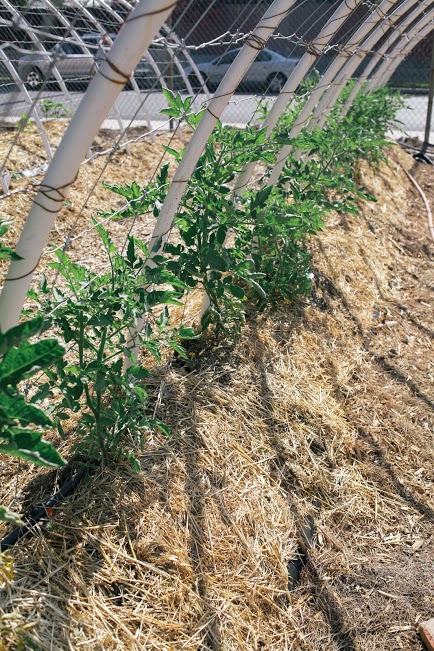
<point>179,349</point>
<point>187,333</point>
<point>20,333</point>
<point>20,363</point>
<point>214,260</point>
<point>161,426</point>
<point>236,291</point>
<point>16,408</point>
<point>138,372</point>
<point>28,445</point>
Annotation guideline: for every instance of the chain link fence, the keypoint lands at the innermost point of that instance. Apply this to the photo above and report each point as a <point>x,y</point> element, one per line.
<point>412,79</point>
<point>49,53</point>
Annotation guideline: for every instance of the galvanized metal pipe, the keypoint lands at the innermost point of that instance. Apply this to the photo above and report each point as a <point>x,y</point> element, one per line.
<point>134,37</point>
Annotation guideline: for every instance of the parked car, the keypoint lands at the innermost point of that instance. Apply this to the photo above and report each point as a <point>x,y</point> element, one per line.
<point>270,70</point>
<point>73,61</point>
<point>145,74</point>
<point>79,63</point>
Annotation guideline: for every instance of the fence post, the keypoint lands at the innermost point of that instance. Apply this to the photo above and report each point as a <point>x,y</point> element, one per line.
<point>430,105</point>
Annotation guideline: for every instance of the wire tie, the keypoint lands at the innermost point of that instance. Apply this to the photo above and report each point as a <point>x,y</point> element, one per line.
<point>256,42</point>
<point>214,116</point>
<point>311,48</point>
<point>9,280</point>
<point>115,68</point>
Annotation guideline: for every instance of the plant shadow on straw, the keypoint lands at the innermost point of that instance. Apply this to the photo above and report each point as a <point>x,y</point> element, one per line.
<point>292,486</point>
<point>71,551</point>
<point>187,443</point>
<point>389,369</point>
<point>194,489</point>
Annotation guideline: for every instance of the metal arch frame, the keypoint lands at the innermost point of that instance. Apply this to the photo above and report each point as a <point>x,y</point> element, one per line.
<point>15,76</point>
<point>190,60</point>
<point>333,92</point>
<point>101,29</point>
<point>302,68</point>
<point>368,24</point>
<point>146,54</point>
<point>39,46</point>
<point>386,69</point>
<point>181,70</point>
<point>133,82</point>
<point>149,56</point>
<point>383,53</point>
<point>79,40</point>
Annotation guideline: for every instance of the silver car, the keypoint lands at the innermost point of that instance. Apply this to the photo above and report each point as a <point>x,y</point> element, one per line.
<point>269,71</point>
<point>79,63</point>
<point>72,60</point>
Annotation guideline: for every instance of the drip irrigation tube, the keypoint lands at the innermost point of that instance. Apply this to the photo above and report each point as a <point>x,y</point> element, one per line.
<point>296,565</point>
<point>425,200</point>
<point>36,515</point>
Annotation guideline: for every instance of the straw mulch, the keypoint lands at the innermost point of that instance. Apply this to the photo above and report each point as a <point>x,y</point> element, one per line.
<point>323,409</point>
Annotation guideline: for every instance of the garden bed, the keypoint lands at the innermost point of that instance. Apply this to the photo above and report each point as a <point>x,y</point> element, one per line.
<point>323,408</point>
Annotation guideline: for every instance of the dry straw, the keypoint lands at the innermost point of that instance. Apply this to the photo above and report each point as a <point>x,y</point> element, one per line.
<point>321,408</point>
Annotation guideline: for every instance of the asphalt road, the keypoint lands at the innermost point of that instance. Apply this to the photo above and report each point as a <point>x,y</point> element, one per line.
<point>147,106</point>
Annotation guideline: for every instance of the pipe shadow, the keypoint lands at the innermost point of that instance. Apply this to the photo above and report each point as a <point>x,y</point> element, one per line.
<point>280,468</point>
<point>397,375</point>
<point>426,331</point>
<point>187,446</point>
<point>389,369</point>
<point>423,509</point>
<point>385,366</point>
<point>384,298</point>
<point>380,456</point>
<point>195,492</point>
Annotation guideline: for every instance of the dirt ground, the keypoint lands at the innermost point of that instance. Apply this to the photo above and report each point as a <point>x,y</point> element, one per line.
<point>318,421</point>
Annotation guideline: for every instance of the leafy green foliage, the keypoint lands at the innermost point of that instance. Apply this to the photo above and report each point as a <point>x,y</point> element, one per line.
<point>53,109</point>
<point>96,313</point>
<point>20,360</point>
<point>276,241</point>
<point>256,246</point>
<point>250,249</point>
<point>6,253</point>
<point>209,220</point>
<point>22,423</point>
<point>139,201</point>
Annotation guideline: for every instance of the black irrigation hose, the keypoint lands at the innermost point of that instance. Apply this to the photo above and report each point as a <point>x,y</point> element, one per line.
<point>306,532</point>
<point>423,157</point>
<point>297,564</point>
<point>34,517</point>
